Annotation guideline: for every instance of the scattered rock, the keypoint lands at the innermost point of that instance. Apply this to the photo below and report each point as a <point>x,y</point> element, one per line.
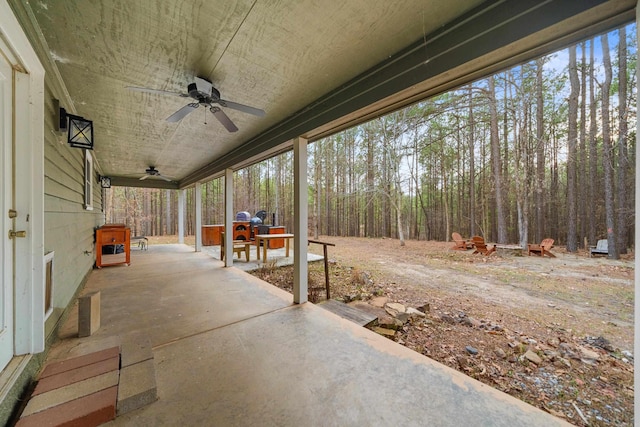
<point>471,350</point>
<point>384,331</point>
<point>424,308</point>
<point>532,357</point>
<point>471,322</point>
<point>379,301</point>
<point>389,322</point>
<point>414,312</point>
<point>567,351</point>
<point>447,319</point>
<point>600,342</point>
<point>561,362</point>
<point>500,353</point>
<point>554,342</point>
<point>394,308</point>
<point>588,356</point>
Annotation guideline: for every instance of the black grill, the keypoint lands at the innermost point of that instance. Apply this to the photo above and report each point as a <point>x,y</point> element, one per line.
<point>264,229</point>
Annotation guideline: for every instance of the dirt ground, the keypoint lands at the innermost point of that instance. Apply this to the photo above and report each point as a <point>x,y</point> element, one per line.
<point>554,332</point>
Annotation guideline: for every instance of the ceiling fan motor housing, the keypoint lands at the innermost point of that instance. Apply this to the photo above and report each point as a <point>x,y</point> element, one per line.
<point>201,97</point>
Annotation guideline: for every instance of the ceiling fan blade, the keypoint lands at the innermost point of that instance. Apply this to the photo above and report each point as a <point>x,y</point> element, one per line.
<point>203,85</point>
<point>241,107</point>
<point>157,91</point>
<point>182,113</point>
<point>164,177</point>
<point>142,178</point>
<point>224,119</point>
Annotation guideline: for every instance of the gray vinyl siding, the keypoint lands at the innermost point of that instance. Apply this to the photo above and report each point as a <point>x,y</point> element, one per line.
<point>69,228</point>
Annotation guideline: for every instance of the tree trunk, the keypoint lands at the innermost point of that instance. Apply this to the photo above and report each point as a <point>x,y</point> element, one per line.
<point>623,162</point>
<point>572,134</point>
<point>593,150</point>
<point>582,152</point>
<point>168,221</point>
<point>496,164</point>
<point>607,152</point>
<point>370,218</point>
<point>472,167</point>
<point>540,158</point>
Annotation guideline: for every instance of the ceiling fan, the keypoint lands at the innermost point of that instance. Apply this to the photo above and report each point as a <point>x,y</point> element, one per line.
<point>205,94</point>
<point>152,171</point>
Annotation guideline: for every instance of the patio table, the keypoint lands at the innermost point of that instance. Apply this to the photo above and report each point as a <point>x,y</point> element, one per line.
<point>265,239</point>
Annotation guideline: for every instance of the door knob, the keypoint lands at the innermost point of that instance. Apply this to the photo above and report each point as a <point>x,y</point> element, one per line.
<point>13,234</point>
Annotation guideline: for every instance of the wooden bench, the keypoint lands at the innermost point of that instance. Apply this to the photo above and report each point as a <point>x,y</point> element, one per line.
<point>239,247</point>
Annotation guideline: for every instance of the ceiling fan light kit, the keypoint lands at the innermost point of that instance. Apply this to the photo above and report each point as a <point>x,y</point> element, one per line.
<point>205,94</point>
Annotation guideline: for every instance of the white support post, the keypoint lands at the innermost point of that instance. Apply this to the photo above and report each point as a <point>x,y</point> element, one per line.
<point>300,221</point>
<point>636,344</point>
<point>228,218</point>
<point>198,191</point>
<point>182,196</point>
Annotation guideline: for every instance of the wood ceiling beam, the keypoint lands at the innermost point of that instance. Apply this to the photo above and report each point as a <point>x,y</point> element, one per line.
<point>121,181</point>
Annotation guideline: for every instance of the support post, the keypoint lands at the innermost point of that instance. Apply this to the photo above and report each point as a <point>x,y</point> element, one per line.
<point>636,344</point>
<point>228,218</point>
<point>182,196</point>
<point>198,191</point>
<point>300,223</point>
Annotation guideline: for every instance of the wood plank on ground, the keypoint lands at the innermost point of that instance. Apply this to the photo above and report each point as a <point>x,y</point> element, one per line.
<point>345,311</point>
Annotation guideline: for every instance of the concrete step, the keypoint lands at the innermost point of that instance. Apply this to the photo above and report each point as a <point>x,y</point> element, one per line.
<point>137,375</point>
<point>94,388</point>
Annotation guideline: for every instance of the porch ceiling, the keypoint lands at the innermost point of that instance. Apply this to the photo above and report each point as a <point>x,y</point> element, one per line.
<point>315,67</point>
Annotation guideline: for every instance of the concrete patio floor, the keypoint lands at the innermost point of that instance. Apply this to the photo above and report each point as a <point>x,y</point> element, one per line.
<point>231,350</point>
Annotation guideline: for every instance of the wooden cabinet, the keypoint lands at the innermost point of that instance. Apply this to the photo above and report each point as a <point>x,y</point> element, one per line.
<point>211,234</point>
<point>276,243</point>
<point>271,229</point>
<point>109,238</point>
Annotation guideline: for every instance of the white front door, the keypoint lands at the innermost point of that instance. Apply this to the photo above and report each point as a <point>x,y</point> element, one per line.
<point>7,185</point>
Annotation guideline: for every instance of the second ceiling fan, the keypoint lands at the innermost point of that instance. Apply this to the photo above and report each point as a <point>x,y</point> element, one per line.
<point>208,96</point>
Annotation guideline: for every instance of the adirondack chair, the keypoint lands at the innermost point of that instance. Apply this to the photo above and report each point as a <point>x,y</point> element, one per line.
<point>602,248</point>
<point>481,247</point>
<point>460,244</point>
<point>544,248</point>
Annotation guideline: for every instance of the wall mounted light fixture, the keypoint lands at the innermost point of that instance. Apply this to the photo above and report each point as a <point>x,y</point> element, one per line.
<point>79,130</point>
<point>105,182</point>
